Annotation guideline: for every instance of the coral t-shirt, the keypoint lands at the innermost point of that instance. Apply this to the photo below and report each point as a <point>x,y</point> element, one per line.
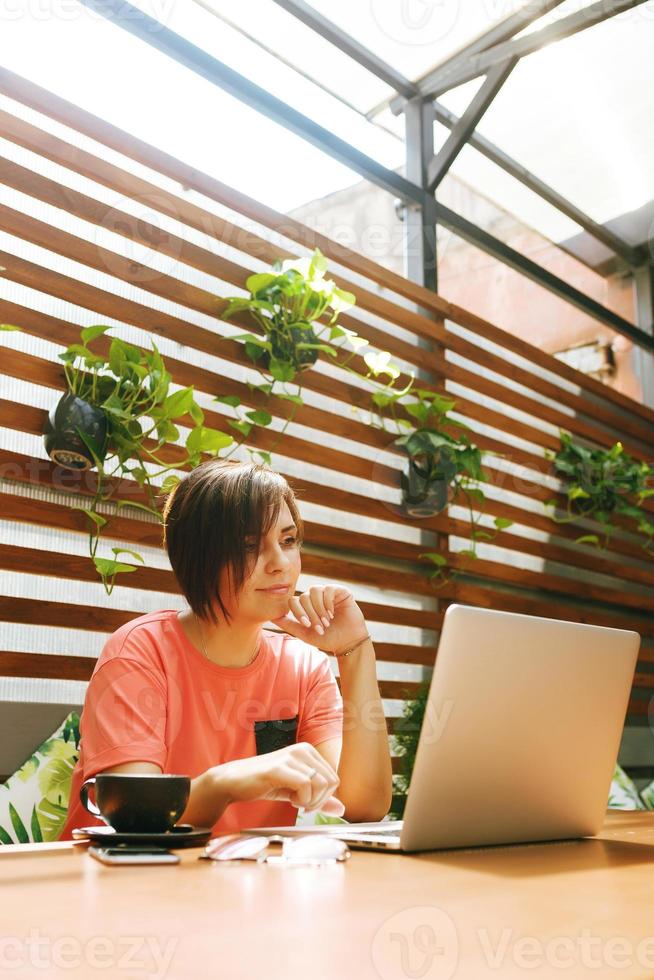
<point>154,697</point>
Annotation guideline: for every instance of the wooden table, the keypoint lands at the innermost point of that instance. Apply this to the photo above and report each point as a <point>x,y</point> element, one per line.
<point>574,909</point>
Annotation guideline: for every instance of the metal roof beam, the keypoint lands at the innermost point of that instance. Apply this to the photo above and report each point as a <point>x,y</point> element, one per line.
<point>466,125</point>
<point>331,32</point>
<point>631,255</point>
<point>479,64</point>
<point>502,31</point>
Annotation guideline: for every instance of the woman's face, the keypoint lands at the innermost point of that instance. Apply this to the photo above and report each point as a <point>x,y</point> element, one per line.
<point>271,575</point>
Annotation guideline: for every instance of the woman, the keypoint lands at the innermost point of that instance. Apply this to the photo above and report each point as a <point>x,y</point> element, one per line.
<point>253,715</point>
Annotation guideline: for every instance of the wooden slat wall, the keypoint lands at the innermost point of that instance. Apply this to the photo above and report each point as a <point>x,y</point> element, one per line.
<point>512,395</point>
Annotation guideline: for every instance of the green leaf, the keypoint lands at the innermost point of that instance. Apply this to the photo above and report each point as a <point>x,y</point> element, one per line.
<point>281,370</point>
<point>252,338</point>
<point>574,493</point>
<point>51,818</point>
<point>10,327</point>
<point>97,519</point>
<point>342,300</point>
<point>325,818</point>
<point>259,417</point>
<point>232,400</point>
<point>196,413</point>
<point>434,557</point>
<point>90,333</point>
<point>4,836</point>
<point>170,482</point>
<point>478,496</point>
<point>264,387</point>
<point>138,506</point>
<point>106,567</point>
<point>243,427</point>
<point>254,351</point>
<point>54,778</point>
<point>290,398</point>
<point>379,362</point>
<point>258,281</point>
<point>501,523</point>
<point>18,825</point>
<point>588,539</point>
<point>35,827</point>
<point>126,551</point>
<point>179,403</point>
<point>28,769</point>
<point>206,440</point>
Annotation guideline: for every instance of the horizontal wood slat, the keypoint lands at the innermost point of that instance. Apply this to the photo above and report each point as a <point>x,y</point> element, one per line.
<point>203,260</point>
<point>61,666</point>
<point>617,422</point>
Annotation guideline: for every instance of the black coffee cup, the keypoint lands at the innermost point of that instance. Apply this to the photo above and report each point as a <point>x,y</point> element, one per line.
<point>137,802</point>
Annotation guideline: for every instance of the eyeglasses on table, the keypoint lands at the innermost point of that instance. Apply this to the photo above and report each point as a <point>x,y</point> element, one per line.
<point>309,850</point>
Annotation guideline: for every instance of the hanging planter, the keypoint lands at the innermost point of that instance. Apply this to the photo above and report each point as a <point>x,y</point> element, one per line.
<point>70,427</point>
<point>287,347</point>
<point>443,465</point>
<point>118,417</point>
<point>295,310</point>
<point>604,485</point>
<point>426,484</point>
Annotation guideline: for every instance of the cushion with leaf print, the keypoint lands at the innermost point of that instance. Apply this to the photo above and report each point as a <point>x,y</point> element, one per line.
<point>623,794</point>
<point>34,800</point>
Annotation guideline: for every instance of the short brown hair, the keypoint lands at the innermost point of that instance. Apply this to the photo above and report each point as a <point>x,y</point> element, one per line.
<point>207,517</point>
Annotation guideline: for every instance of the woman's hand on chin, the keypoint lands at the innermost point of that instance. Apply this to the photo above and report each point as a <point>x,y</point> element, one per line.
<point>326,616</point>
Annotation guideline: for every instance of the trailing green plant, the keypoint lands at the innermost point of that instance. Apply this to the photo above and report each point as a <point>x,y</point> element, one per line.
<point>406,738</point>
<point>602,484</point>
<point>442,460</point>
<point>131,388</point>
<point>295,309</point>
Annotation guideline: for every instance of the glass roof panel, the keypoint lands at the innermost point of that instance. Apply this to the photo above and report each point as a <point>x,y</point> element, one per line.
<point>578,115</point>
<point>291,41</point>
<point>415,35</point>
<point>199,25</point>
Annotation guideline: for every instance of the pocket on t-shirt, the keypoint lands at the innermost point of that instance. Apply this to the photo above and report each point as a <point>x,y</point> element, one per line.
<point>275,733</point>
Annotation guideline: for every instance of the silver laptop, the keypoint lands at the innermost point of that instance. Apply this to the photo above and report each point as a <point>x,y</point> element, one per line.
<point>520,738</point>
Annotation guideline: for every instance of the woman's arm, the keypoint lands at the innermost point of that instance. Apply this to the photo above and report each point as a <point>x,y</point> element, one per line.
<point>208,799</point>
<point>297,773</point>
<point>365,770</point>
<point>329,617</point>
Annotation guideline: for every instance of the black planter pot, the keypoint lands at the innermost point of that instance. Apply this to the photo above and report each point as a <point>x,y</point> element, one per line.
<point>284,349</point>
<point>422,496</point>
<point>61,437</point>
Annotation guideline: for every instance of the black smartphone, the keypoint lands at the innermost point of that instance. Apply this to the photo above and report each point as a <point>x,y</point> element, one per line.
<point>133,855</point>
